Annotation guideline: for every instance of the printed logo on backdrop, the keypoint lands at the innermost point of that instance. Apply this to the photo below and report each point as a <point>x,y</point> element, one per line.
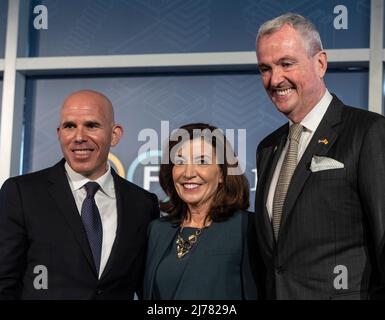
<point>150,172</point>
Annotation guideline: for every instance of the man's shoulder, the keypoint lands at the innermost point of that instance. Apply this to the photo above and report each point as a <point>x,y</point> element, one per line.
<point>361,121</point>
<point>35,177</point>
<point>161,223</point>
<point>361,115</point>
<point>160,226</point>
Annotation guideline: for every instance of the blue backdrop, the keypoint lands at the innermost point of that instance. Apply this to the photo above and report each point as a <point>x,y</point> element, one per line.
<point>90,27</point>
<point>227,100</point>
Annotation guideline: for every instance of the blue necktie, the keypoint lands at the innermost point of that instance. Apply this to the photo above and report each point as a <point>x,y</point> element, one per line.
<point>92,222</point>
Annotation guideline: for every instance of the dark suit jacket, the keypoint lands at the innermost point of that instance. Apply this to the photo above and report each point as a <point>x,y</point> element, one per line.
<point>220,268</point>
<point>40,225</point>
<point>331,218</point>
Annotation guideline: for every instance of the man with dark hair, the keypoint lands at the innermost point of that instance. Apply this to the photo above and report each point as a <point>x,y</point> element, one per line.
<point>76,230</point>
<point>320,201</point>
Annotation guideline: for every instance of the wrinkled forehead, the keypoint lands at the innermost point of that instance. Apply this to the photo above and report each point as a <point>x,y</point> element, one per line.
<point>285,38</point>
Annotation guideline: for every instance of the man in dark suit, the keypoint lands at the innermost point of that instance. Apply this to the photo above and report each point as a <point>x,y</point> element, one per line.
<point>320,201</point>
<point>76,230</point>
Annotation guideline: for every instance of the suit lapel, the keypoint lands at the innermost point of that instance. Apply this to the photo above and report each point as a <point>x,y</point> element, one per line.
<point>121,202</point>
<point>61,192</point>
<point>302,172</point>
<point>269,162</point>
<point>119,195</point>
<point>165,239</point>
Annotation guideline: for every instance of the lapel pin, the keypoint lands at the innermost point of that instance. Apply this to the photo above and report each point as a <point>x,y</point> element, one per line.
<point>323,141</point>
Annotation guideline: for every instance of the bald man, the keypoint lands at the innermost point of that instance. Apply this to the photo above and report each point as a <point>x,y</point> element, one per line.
<point>75,230</point>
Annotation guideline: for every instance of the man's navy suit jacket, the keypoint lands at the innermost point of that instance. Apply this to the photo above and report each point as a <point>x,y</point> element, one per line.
<point>40,226</point>
<point>331,239</point>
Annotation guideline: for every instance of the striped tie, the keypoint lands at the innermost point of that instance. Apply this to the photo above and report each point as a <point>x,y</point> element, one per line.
<point>287,170</point>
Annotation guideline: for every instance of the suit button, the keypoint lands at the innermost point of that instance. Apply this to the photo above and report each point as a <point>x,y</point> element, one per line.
<point>100,291</point>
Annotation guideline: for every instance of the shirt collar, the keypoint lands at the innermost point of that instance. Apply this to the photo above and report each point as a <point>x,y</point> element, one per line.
<point>77,181</point>
<point>314,117</point>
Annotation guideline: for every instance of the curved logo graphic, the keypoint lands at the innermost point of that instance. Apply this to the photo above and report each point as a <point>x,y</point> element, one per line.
<point>150,172</point>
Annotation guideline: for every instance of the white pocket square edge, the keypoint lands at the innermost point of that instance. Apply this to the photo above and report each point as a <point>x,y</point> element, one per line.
<point>321,163</point>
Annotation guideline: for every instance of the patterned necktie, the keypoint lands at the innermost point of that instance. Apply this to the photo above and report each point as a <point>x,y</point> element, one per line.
<point>92,222</point>
<point>287,170</point>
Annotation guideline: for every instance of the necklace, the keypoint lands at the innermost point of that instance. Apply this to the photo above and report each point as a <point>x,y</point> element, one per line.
<point>183,246</point>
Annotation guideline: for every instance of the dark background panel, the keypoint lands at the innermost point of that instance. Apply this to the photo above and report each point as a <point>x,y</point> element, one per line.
<point>227,100</point>
<point>79,27</point>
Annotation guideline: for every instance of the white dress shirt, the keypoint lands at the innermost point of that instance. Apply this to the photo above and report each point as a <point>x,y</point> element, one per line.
<point>105,200</point>
<point>310,124</point>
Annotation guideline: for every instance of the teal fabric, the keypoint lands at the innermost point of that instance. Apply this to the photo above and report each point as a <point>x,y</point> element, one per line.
<point>218,268</point>
<point>171,269</point>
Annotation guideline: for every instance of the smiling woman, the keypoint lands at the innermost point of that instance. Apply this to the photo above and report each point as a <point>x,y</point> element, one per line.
<point>200,160</point>
<point>206,237</point>
<point>197,177</point>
